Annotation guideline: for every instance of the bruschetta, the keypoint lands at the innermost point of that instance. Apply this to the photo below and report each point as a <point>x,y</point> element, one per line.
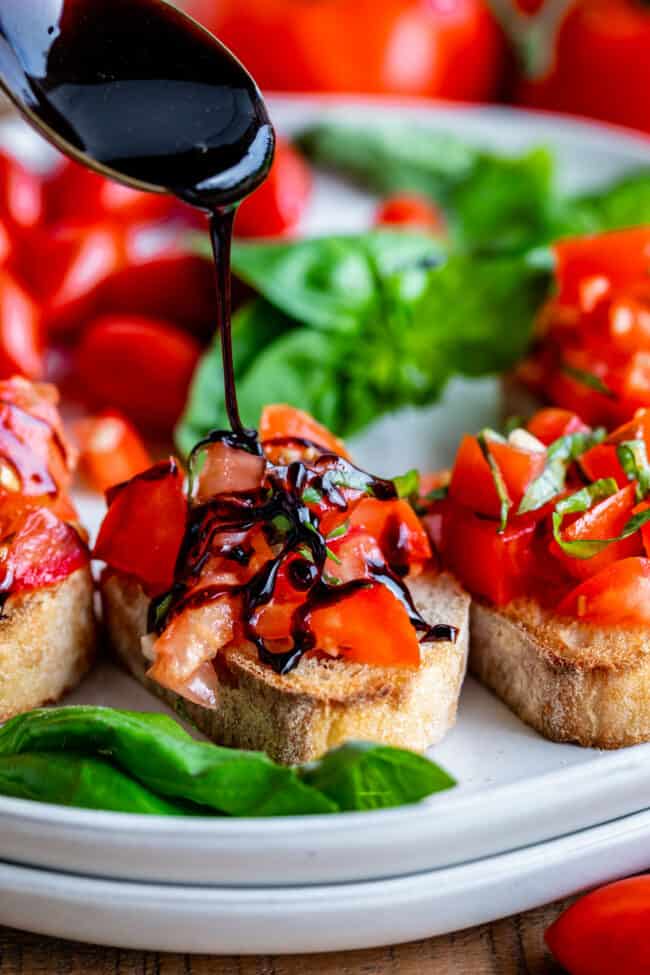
<point>549,530</point>
<point>287,601</point>
<point>47,626</point>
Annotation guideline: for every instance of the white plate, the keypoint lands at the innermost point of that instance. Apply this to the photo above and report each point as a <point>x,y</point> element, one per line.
<point>221,920</point>
<point>515,788</point>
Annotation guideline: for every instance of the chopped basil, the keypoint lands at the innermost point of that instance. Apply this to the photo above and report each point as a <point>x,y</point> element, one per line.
<point>311,496</point>
<point>339,531</point>
<point>502,491</point>
<point>633,458</point>
<point>583,500</point>
<point>588,379</point>
<point>407,485</point>
<point>437,494</point>
<point>559,456</point>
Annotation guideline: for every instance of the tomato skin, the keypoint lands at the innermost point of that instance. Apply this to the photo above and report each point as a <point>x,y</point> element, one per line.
<point>619,257</point>
<point>142,532</point>
<point>369,626</point>
<point>21,343</point>
<point>66,264</point>
<point>276,207</point>
<point>605,931</point>
<point>21,196</point>
<point>618,595</point>
<point>397,528</point>
<point>552,423</point>
<point>75,193</point>
<point>111,451</point>
<point>472,483</point>
<point>279,421</point>
<point>43,551</point>
<point>409,47</point>
<point>126,361</point>
<point>607,519</point>
<point>410,210</point>
<point>613,34</point>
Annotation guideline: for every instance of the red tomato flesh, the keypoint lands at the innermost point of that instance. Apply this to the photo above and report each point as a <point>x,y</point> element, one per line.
<point>43,551</point>
<point>472,483</point>
<point>552,423</point>
<point>410,210</point>
<point>279,422</point>
<point>277,206</point>
<point>111,450</point>
<point>619,595</point>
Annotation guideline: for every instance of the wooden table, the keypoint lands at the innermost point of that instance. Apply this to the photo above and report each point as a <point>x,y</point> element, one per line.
<point>511,947</point>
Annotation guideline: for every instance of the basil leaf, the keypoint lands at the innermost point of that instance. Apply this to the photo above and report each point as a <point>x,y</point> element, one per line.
<point>361,776</point>
<point>560,455</point>
<point>588,379</point>
<point>437,494</point>
<point>633,458</point>
<point>624,203</point>
<point>584,500</point>
<point>339,531</point>
<point>407,485</point>
<point>497,477</point>
<point>311,496</point>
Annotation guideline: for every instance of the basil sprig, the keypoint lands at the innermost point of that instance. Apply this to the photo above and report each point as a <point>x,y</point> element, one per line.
<point>584,500</point>
<point>559,457</point>
<point>505,501</point>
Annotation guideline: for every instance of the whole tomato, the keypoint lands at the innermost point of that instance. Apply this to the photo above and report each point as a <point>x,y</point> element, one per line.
<point>595,63</point>
<point>438,48</point>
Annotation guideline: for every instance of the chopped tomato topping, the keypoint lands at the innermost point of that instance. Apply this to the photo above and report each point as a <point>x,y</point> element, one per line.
<point>619,258</point>
<point>550,424</point>
<point>228,470</point>
<point>144,527</point>
<point>402,539</point>
<point>282,422</point>
<point>472,482</point>
<point>410,210</point>
<point>369,626</point>
<point>42,551</point>
<point>619,595</point>
<point>111,450</point>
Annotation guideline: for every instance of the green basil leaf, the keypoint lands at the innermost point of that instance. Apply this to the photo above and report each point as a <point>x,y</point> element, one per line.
<point>339,531</point>
<point>408,485</point>
<point>584,500</point>
<point>499,484</point>
<point>362,776</point>
<point>633,458</point>
<point>311,496</point>
<point>560,455</point>
<point>588,379</point>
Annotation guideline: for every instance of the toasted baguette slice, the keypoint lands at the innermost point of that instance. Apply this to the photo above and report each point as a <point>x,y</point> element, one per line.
<point>320,704</point>
<point>47,640</point>
<point>569,680</point>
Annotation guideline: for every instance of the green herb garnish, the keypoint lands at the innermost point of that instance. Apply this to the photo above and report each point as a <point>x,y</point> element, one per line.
<point>589,379</point>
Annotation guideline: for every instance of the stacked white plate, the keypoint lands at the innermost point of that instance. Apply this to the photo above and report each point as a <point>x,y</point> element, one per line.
<point>529,821</point>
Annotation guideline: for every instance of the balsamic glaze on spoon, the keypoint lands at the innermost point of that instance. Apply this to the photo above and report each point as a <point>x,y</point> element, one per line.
<point>140,92</point>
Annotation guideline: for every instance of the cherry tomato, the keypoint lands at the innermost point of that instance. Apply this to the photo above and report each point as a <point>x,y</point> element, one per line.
<point>21,345</point>
<point>76,193</point>
<point>65,266</point>
<point>21,195</point>
<point>141,366</point>
<point>410,210</point>
<point>368,627</point>
<point>472,482</point>
<point>276,207</point>
<point>619,595</point>
<point>605,931</point>
<point>612,34</point>
<point>437,48</point>
<point>143,529</point>
<point>111,451</point>
<point>280,421</point>
<point>42,551</point>
<point>550,424</point>
<point>175,286</point>
<point>607,519</point>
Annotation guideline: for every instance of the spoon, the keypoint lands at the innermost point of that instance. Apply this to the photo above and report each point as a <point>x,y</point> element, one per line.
<point>140,92</point>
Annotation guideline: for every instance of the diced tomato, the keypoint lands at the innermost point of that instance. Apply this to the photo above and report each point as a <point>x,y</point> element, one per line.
<point>645,529</point>
<point>277,206</point>
<point>635,379</point>
<point>552,423</point>
<point>175,286</point>
<point>370,626</point>
<point>228,470</point>
<point>491,564</point>
<point>74,192</point>
<point>607,519</point>
<point>111,451</point>
<point>602,461</point>
<point>472,483</point>
<point>398,530</point>
<point>619,595</point>
<point>6,245</point>
<point>355,553</point>
<point>184,652</point>
<point>141,366</point>
<point>280,422</point>
<point>21,195</point>
<point>410,210</point>
<point>21,344</point>
<point>42,551</point>
<point>144,526</point>
<point>629,320</point>
<point>594,407</point>
<point>621,258</point>
<point>65,266</point>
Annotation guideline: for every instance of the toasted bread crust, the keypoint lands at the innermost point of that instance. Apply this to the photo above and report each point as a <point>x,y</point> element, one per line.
<point>319,705</point>
<point>47,642</point>
<point>570,681</point>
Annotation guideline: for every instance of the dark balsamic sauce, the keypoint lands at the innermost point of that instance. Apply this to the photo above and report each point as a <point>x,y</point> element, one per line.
<point>138,90</point>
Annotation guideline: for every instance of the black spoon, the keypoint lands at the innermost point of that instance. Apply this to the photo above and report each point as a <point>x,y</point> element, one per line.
<point>140,92</point>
